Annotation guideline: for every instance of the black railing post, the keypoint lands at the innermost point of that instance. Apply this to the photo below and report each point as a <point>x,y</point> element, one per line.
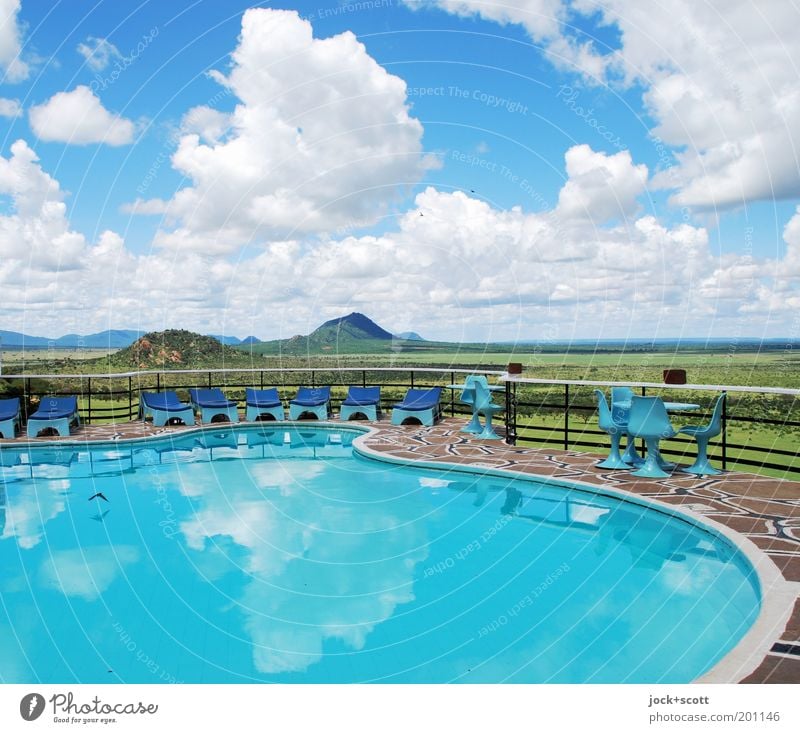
<point>566,417</point>
<point>158,381</point>
<point>130,397</point>
<point>261,376</point>
<point>209,380</point>
<point>412,379</point>
<point>511,413</point>
<point>88,420</point>
<point>453,394</point>
<point>363,377</point>
<point>724,430</point>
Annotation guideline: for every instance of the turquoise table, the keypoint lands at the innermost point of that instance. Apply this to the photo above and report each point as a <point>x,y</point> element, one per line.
<point>619,414</point>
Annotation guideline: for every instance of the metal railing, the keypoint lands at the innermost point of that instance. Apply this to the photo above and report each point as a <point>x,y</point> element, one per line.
<point>549,412</point>
<point>543,412</point>
<point>122,390</point>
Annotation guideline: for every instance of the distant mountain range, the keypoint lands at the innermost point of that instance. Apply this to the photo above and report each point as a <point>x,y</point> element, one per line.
<point>116,339</point>
<point>113,339</point>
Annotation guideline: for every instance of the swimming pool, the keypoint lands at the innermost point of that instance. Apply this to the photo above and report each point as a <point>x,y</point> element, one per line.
<point>274,554</point>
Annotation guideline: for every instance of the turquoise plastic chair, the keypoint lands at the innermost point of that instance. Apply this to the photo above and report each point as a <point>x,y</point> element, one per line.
<point>607,424</point>
<point>702,434</point>
<point>649,421</point>
<point>620,415</point>
<point>474,426</point>
<point>487,408</point>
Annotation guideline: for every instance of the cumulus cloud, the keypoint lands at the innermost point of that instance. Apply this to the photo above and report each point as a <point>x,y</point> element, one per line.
<point>320,137</point>
<point>11,42</point>
<point>453,267</point>
<point>724,91</point>
<point>10,108</point>
<point>38,230</point>
<point>98,52</point>
<point>601,187</point>
<point>79,118</point>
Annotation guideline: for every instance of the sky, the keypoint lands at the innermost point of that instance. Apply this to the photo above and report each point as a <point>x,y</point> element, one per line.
<point>472,171</point>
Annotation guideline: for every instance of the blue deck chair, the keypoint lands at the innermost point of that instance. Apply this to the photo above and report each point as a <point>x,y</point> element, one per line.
<point>261,402</point>
<point>314,400</point>
<point>649,420</point>
<point>57,413</point>
<point>9,417</point>
<point>364,401</point>
<point>213,403</point>
<point>615,429</point>
<point>164,406</point>
<point>702,434</point>
<point>421,404</point>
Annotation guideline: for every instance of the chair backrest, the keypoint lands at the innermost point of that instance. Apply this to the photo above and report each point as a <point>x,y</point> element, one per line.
<point>9,405</point>
<point>59,403</point>
<point>206,394</point>
<point>483,397</point>
<point>604,420</point>
<point>715,424</point>
<point>470,390</point>
<point>364,394</point>
<point>425,396</point>
<point>261,395</point>
<point>159,399</point>
<point>621,394</point>
<point>648,418</point>
<point>313,393</point>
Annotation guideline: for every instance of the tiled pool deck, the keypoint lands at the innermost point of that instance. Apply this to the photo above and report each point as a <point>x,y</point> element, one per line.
<point>765,510</point>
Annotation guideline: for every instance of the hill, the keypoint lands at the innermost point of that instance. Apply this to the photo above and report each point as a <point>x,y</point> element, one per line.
<point>409,336</point>
<point>177,349</point>
<point>351,334</point>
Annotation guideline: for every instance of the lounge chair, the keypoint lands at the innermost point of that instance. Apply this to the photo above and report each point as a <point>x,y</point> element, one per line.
<point>9,417</point>
<point>164,406</point>
<point>57,413</point>
<point>421,404</point>
<point>212,403</point>
<point>364,401</point>
<point>262,402</point>
<point>315,400</point>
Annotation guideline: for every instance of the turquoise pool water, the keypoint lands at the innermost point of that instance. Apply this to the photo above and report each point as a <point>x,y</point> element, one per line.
<point>257,555</point>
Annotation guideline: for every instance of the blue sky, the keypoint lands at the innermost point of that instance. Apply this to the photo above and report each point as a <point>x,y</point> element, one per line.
<point>470,171</point>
